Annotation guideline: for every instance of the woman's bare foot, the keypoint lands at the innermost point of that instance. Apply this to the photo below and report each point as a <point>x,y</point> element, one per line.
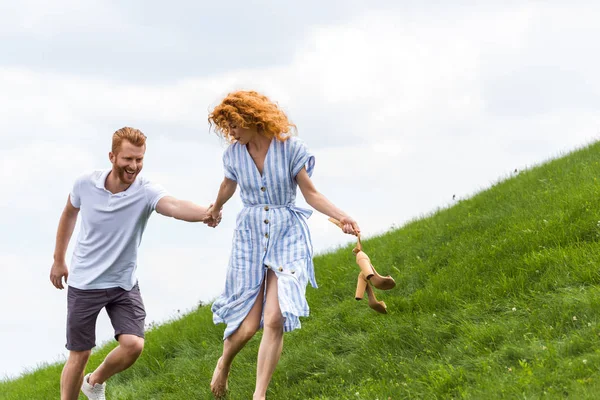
<point>218,384</point>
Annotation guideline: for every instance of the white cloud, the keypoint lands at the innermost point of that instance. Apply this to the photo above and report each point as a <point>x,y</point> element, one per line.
<point>402,110</point>
<point>45,19</point>
<point>34,173</point>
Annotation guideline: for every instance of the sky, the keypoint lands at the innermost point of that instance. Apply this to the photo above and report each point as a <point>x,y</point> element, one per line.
<point>404,104</point>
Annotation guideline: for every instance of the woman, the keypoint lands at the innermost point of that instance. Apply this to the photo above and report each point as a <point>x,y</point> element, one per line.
<point>271,260</point>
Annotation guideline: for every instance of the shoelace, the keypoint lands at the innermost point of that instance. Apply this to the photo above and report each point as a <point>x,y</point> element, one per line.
<point>99,389</point>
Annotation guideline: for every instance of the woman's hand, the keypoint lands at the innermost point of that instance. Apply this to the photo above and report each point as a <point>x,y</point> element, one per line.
<point>213,216</point>
<point>349,226</point>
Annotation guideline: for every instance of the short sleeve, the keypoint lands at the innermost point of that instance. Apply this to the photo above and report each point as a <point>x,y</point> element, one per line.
<point>75,195</point>
<point>154,192</point>
<point>301,158</point>
<point>228,166</point>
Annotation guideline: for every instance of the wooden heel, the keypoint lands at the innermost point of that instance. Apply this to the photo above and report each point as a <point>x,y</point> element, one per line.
<point>361,286</point>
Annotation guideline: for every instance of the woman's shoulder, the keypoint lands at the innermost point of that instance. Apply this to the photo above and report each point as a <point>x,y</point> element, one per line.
<point>231,149</point>
<point>233,146</point>
<point>294,142</point>
<point>296,146</point>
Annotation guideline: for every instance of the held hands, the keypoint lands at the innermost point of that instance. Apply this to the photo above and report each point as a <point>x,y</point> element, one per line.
<point>213,216</point>
<point>57,272</point>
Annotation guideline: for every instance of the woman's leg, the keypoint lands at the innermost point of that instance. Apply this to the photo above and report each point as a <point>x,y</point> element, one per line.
<point>236,342</point>
<point>272,340</point>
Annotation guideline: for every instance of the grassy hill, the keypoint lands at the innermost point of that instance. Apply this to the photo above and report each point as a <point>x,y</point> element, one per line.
<point>497,298</point>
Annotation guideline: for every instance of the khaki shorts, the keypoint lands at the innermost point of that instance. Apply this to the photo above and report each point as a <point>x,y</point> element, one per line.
<point>124,308</point>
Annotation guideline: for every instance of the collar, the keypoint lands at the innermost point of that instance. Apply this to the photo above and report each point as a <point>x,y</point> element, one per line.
<point>101,181</point>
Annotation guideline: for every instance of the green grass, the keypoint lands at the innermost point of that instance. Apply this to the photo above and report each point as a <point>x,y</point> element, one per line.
<point>497,298</point>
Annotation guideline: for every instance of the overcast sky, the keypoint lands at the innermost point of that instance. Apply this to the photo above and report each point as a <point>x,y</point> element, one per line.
<point>403,104</point>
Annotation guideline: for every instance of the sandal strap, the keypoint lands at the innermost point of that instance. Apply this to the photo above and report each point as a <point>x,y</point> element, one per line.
<point>358,245</point>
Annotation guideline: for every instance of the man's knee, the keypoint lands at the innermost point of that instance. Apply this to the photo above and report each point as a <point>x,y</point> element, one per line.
<point>79,359</point>
<point>132,345</point>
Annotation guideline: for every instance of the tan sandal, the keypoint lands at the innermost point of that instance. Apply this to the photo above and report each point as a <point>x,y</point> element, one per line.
<point>380,282</point>
<point>367,269</point>
<point>363,285</point>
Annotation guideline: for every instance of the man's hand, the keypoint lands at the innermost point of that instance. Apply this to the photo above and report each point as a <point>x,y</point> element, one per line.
<point>57,272</point>
<point>213,216</point>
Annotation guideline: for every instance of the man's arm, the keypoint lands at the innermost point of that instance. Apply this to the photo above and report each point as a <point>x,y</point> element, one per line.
<point>183,210</point>
<point>66,226</point>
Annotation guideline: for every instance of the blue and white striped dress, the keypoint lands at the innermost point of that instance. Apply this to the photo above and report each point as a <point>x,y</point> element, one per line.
<point>271,232</point>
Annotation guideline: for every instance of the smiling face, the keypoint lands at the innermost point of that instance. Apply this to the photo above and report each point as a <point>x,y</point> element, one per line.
<point>127,162</point>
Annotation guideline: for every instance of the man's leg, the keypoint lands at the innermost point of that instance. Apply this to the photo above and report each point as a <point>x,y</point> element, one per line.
<point>271,344</point>
<point>127,315</point>
<point>72,374</point>
<point>83,307</point>
<point>235,343</point>
<point>122,357</point>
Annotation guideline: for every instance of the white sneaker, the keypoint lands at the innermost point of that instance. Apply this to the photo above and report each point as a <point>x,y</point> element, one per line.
<point>95,392</point>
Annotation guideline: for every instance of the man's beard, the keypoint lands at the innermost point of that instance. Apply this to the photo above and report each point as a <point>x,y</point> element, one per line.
<point>123,176</point>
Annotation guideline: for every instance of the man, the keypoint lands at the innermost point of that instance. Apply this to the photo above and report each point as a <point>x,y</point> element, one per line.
<point>115,206</point>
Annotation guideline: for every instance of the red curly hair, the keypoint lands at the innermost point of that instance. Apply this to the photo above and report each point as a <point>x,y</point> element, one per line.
<point>250,109</point>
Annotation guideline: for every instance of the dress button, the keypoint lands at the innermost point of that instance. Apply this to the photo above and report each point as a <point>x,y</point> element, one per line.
<point>266,208</point>
<point>267,235</point>
<point>263,188</point>
<point>280,269</point>
<point>266,221</point>
<point>293,272</point>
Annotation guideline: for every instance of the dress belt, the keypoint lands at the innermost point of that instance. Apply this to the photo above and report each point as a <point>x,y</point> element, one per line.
<point>298,212</point>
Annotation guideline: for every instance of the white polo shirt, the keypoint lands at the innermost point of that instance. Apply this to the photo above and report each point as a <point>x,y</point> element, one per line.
<point>112,225</point>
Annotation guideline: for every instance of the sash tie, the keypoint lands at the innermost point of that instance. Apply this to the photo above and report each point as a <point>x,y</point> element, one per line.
<point>301,215</point>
